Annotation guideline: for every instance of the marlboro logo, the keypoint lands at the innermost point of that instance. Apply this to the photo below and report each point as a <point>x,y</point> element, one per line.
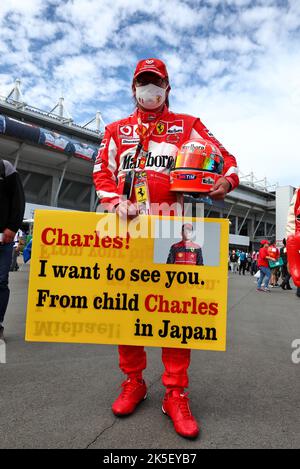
<point>158,161</point>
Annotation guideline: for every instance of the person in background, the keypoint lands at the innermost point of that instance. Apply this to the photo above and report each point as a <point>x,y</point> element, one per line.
<point>27,251</point>
<point>16,251</point>
<point>263,265</point>
<point>293,239</point>
<point>234,262</point>
<point>243,262</point>
<point>274,255</point>
<point>12,207</point>
<point>249,261</point>
<point>285,284</point>
<point>254,258</point>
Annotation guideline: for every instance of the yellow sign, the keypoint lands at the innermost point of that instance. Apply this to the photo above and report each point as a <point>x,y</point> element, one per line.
<point>94,279</point>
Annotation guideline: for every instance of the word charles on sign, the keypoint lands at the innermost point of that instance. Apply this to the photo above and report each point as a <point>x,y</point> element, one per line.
<point>56,236</point>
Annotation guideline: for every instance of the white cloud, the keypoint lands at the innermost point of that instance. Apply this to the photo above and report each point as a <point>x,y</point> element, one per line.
<point>253,17</point>
<point>237,43</point>
<point>27,9</point>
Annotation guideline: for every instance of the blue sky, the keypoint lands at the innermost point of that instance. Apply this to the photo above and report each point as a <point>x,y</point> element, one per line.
<point>233,63</point>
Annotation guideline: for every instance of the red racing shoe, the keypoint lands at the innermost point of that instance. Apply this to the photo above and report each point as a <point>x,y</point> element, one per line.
<point>176,406</point>
<point>134,391</point>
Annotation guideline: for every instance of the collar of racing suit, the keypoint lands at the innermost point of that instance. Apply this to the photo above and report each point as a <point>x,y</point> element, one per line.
<point>151,116</point>
<point>188,244</point>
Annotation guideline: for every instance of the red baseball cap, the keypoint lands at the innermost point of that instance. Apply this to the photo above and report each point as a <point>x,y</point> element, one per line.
<point>264,241</point>
<point>151,65</point>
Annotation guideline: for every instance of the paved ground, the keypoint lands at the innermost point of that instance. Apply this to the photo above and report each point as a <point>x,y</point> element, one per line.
<point>59,395</point>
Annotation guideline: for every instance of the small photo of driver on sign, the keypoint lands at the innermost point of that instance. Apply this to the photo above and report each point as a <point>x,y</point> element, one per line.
<point>187,243</point>
<point>186,252</point>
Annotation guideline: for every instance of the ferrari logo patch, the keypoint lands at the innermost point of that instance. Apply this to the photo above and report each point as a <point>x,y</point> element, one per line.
<point>141,193</point>
<point>160,127</point>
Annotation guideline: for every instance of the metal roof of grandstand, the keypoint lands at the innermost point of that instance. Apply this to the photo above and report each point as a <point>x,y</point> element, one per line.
<point>58,117</point>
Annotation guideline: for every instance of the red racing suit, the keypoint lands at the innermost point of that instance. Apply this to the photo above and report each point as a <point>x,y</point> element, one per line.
<point>185,253</point>
<point>115,158</point>
<point>293,238</point>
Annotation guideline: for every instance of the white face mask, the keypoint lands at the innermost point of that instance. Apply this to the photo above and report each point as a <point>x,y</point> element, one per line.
<point>150,96</point>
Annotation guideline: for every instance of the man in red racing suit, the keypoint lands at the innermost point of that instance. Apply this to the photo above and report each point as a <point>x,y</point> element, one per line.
<point>161,132</point>
<point>293,239</point>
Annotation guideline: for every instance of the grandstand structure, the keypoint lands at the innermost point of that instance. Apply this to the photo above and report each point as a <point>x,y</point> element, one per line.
<point>54,157</point>
<point>52,171</point>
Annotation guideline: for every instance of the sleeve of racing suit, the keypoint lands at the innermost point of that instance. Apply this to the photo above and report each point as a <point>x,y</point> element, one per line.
<point>171,256</point>
<point>291,219</point>
<point>199,257</point>
<point>105,172</point>
<point>230,170</point>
